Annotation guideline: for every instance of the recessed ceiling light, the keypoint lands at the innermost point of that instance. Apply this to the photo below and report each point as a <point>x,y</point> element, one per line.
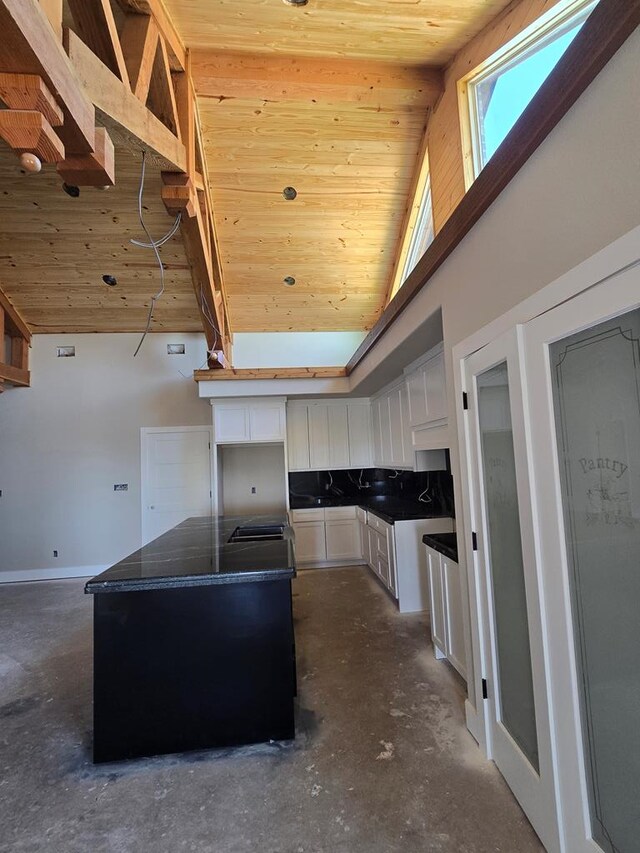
<point>289,281</point>
<point>74,192</point>
<point>289,193</point>
<point>111,280</point>
<point>296,2</point>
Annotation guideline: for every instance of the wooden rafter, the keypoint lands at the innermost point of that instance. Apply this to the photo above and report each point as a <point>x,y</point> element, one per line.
<point>156,10</point>
<point>162,96</point>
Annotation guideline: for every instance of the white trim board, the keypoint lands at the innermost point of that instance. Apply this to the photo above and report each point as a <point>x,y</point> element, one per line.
<point>62,573</point>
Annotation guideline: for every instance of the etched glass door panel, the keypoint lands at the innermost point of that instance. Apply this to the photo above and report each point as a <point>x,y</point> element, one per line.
<point>515,697</point>
<point>596,389</point>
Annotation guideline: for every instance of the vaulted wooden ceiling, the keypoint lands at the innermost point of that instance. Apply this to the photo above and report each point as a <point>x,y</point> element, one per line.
<point>331,98</point>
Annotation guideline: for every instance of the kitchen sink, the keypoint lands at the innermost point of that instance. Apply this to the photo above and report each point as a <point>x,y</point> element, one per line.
<point>257,533</point>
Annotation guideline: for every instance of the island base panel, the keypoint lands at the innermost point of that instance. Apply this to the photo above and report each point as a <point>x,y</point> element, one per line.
<point>192,668</point>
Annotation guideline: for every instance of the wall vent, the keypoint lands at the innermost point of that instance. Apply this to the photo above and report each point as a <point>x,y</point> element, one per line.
<point>65,352</point>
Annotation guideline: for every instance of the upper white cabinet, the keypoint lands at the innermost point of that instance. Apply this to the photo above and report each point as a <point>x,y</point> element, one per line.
<point>427,401</point>
<point>248,420</point>
<point>328,435</point>
<point>392,445</point>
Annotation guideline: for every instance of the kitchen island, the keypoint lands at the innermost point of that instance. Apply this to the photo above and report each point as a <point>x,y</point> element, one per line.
<point>193,640</point>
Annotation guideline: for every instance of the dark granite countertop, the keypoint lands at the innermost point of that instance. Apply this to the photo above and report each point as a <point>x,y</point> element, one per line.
<point>387,507</point>
<point>198,552</point>
<point>445,543</point>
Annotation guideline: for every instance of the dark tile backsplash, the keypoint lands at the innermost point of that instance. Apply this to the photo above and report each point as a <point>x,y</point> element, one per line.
<point>407,485</point>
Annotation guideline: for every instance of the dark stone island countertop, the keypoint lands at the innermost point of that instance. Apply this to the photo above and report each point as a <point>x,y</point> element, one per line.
<point>387,507</point>
<point>198,552</point>
<point>444,543</point>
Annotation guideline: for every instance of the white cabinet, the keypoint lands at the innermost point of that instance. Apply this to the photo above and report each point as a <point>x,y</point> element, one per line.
<point>247,420</point>
<point>447,620</point>
<point>328,435</point>
<point>359,416</point>
<point>298,438</point>
<point>310,541</point>
<point>329,535</point>
<point>390,415</point>
<point>427,401</point>
<point>376,432</point>
<point>343,539</point>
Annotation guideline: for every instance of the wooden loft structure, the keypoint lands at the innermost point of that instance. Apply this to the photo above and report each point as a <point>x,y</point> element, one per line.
<point>15,339</point>
<point>70,94</point>
<point>295,159</point>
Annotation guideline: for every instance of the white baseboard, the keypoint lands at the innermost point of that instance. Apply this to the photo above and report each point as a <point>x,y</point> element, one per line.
<point>26,575</point>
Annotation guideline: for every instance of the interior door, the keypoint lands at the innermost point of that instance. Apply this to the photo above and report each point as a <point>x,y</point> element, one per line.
<point>176,477</point>
<point>516,710</point>
<point>583,361</point>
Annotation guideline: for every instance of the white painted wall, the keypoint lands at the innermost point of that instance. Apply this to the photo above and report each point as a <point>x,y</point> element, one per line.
<point>69,438</point>
<point>260,466</point>
<point>294,349</point>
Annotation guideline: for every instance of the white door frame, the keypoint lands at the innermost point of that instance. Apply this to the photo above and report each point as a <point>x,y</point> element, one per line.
<point>145,432</point>
<point>618,295</point>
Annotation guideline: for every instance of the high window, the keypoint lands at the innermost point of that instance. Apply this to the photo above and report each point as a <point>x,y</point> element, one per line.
<point>495,94</point>
<point>420,231</point>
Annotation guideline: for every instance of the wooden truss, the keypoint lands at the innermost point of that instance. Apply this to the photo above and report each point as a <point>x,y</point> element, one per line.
<point>15,339</point>
<point>134,80</point>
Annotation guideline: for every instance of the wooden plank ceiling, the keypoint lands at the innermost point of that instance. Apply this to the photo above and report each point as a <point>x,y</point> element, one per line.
<point>331,98</point>
<point>54,250</point>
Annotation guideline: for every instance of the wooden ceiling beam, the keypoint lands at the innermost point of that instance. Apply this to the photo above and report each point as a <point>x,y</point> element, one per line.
<point>16,372</point>
<point>121,111</point>
<point>29,92</point>
<point>139,43</point>
<point>29,46</point>
<point>235,75</point>
<point>14,324</point>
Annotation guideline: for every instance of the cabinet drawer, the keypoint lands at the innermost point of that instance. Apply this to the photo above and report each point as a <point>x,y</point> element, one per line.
<point>307,515</point>
<point>377,523</point>
<point>340,512</point>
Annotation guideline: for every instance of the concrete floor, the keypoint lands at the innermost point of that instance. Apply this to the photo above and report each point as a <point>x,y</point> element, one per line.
<point>382,762</point>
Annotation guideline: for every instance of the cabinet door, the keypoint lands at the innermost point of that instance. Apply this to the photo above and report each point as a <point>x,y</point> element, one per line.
<point>417,393</point>
<point>436,596</point>
<point>407,442</point>
<point>373,549</point>
<point>364,539</point>
<point>310,541</point>
<point>266,423</point>
<point>385,431</point>
<point>231,423</point>
<point>319,438</point>
<point>298,438</point>
<point>391,559</point>
<point>376,430</point>
<point>359,436</point>
<point>436,388</point>
<point>454,620</point>
<point>396,456</point>
<point>338,425</point>
<point>343,540</point>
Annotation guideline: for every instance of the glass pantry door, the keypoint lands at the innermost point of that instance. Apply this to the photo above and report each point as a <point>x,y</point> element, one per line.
<point>584,377</point>
<point>517,719</point>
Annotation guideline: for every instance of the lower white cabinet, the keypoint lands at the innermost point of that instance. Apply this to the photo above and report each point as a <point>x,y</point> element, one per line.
<point>330,535</point>
<point>397,556</point>
<point>447,622</point>
<point>310,541</point>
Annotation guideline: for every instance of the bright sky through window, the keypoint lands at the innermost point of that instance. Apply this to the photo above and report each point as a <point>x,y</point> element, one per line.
<point>503,96</point>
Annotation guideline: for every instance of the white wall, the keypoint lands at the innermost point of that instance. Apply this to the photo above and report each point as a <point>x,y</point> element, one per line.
<point>259,466</point>
<point>294,349</point>
<point>69,438</point>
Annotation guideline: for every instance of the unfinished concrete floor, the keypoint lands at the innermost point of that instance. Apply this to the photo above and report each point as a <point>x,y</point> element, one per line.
<point>382,761</point>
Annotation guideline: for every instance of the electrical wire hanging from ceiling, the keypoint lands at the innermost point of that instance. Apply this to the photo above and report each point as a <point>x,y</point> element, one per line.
<point>152,244</point>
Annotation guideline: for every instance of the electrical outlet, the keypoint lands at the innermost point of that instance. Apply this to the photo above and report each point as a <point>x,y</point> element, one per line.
<point>253,490</point>
<point>121,487</point>
<point>55,553</point>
